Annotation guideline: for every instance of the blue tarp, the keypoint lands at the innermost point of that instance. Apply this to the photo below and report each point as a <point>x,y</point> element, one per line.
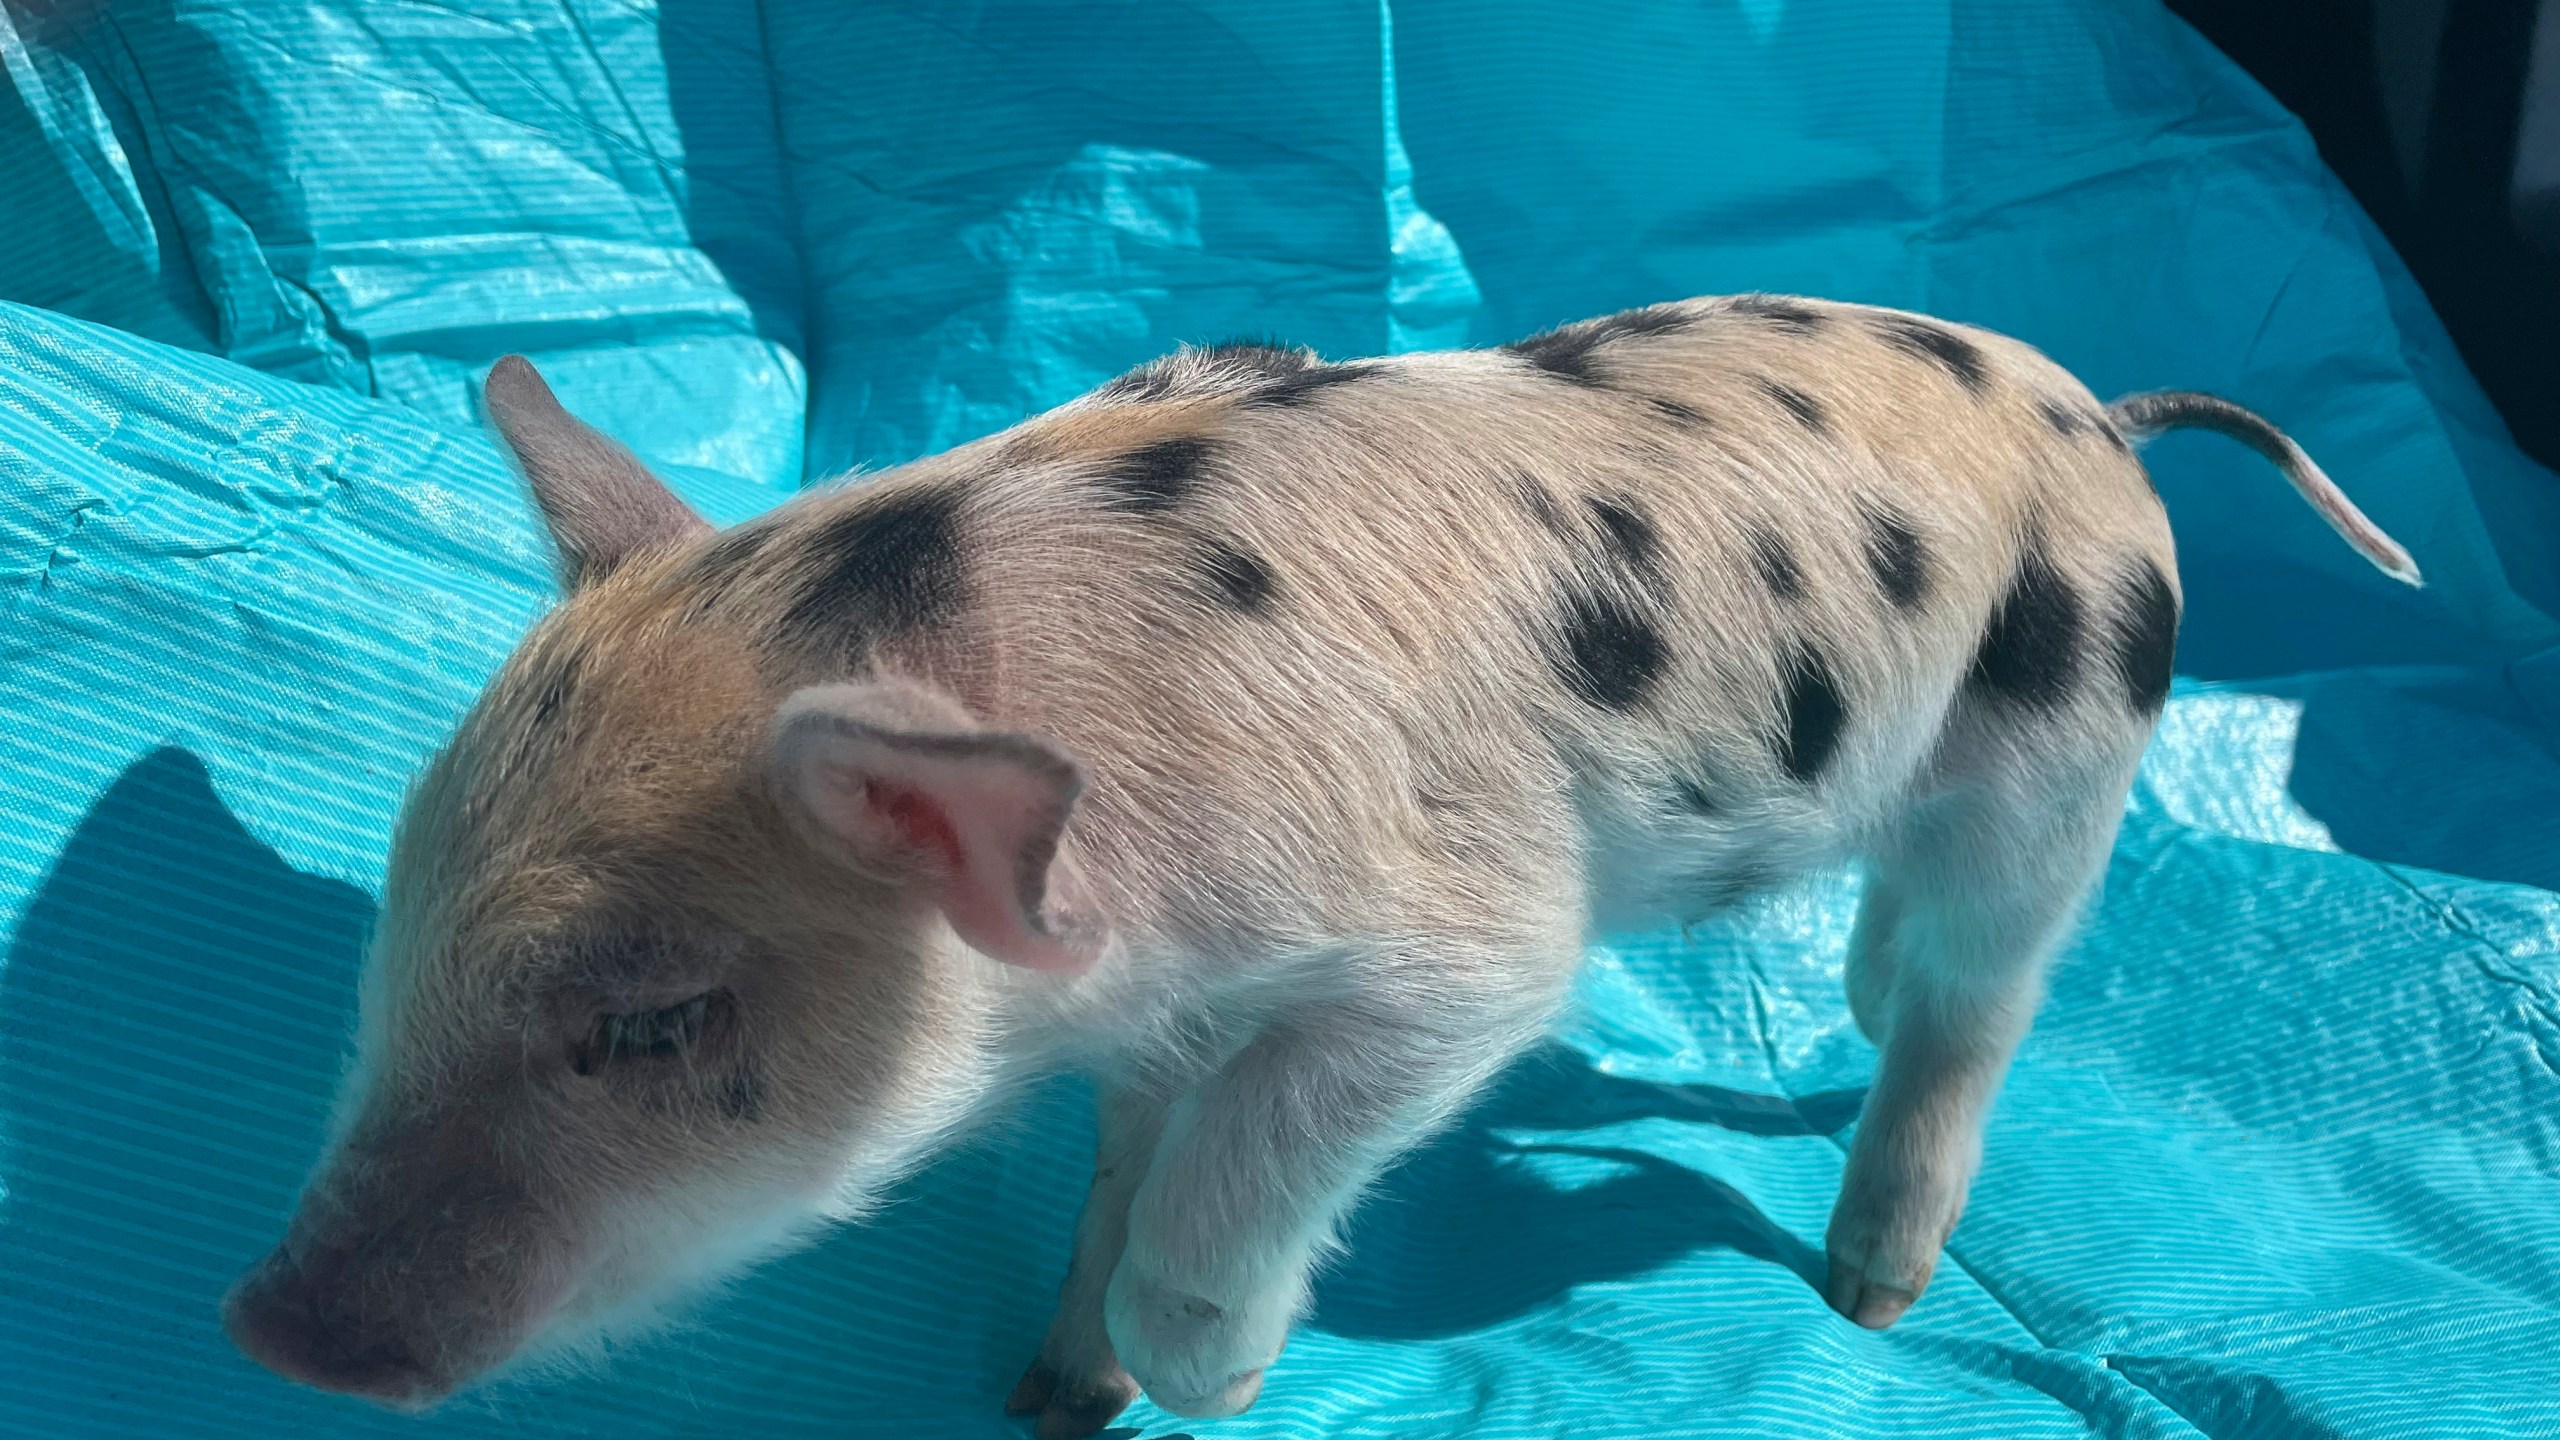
<point>2281,1159</point>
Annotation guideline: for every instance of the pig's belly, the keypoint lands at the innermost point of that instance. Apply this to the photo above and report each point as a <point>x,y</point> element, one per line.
<point>1650,871</point>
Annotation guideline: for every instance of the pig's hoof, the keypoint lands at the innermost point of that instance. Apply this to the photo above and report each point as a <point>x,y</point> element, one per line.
<point>1199,1358</point>
<point>1884,1247</point>
<point>1070,1407</point>
<point>1872,1304</point>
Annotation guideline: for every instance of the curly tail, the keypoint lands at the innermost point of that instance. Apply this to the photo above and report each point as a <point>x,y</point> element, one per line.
<point>2142,416</point>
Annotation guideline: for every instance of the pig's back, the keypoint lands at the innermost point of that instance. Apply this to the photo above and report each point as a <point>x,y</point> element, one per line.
<point>1689,590</point>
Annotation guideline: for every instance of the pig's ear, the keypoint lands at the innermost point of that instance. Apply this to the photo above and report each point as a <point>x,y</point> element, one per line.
<point>601,504</point>
<point>904,781</point>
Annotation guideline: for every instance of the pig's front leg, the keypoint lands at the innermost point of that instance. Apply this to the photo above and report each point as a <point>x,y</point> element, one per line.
<point>1077,1384</point>
<point>1255,1167</point>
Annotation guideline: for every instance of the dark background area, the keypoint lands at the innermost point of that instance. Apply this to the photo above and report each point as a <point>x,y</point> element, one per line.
<point>2433,113</point>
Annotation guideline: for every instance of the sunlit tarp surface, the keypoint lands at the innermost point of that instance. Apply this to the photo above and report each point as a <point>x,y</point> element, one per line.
<point>2282,1158</point>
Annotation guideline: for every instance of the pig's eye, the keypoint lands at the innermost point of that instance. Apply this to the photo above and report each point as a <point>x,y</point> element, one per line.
<point>647,1034</point>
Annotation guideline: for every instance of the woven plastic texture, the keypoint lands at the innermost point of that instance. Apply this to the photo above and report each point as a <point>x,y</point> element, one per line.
<point>2278,1161</point>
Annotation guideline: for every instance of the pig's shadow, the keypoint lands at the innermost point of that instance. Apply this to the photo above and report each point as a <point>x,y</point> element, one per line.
<point>171,1017</point>
<point>1470,1231</point>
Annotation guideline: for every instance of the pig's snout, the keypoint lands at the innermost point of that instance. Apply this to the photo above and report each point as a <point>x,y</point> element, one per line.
<point>397,1288</point>
<point>300,1316</point>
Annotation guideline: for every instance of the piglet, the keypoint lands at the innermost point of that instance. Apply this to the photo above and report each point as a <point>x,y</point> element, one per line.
<point>1263,738</point>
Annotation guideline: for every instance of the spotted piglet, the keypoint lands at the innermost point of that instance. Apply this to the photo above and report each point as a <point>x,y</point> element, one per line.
<point>1264,738</point>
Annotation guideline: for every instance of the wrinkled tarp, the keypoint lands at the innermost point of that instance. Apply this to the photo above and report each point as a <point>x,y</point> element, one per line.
<point>2278,1161</point>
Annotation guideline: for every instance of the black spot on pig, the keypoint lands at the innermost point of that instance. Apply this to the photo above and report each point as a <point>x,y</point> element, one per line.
<point>1687,417</point>
<point>1939,345</point>
<point>2145,646</point>
<point>1261,374</point>
<point>1531,496</point>
<point>1201,369</point>
<point>1568,352</point>
<point>1611,654</point>
<point>1257,358</point>
<point>1791,316</point>
<point>1153,479</point>
<point>1691,794</point>
<point>2030,653</point>
<point>1296,388</point>
<point>1814,714</point>
<point>1236,578</point>
<point>887,563</point>
<point>1630,536</point>
<point>1898,558</point>
<point>1776,563</point>
<point>1808,412</point>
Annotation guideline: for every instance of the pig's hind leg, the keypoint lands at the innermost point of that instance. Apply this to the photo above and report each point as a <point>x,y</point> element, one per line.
<point>1971,895</point>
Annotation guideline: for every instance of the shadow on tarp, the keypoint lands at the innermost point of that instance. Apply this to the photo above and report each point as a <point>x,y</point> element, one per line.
<point>1471,1231</point>
<point>176,1002</point>
<point>2445,770</point>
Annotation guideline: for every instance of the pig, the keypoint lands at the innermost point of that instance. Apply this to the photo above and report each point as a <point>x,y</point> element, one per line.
<point>1264,738</point>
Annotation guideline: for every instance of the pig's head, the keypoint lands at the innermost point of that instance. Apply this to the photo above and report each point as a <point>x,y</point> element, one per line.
<point>677,954</point>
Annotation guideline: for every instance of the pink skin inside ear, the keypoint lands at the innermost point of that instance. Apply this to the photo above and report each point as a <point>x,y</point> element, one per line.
<point>971,828</point>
